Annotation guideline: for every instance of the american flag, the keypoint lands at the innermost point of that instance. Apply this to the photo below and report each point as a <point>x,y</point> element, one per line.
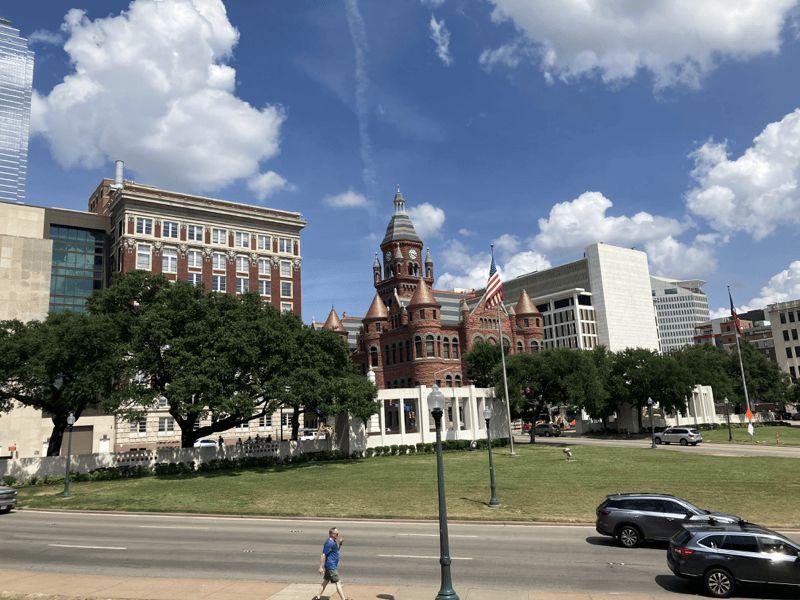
<point>734,315</point>
<point>494,288</point>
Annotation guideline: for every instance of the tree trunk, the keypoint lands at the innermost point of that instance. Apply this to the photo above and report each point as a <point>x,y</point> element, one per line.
<point>295,423</point>
<point>57,437</point>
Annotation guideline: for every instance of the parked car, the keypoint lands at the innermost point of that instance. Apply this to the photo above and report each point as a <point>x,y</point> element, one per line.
<point>205,443</point>
<point>8,499</point>
<point>547,430</point>
<point>633,518</point>
<point>723,556</point>
<point>796,416</point>
<point>782,415</point>
<point>682,435</point>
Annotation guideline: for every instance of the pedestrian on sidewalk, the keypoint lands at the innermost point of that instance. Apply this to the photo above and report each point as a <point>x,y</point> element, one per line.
<point>329,563</point>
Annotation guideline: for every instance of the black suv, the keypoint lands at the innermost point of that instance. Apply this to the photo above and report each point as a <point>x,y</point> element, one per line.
<point>632,518</point>
<point>725,555</point>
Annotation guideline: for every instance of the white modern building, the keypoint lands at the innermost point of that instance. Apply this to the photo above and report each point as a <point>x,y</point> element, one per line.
<point>680,306</point>
<point>605,298</point>
<point>16,85</point>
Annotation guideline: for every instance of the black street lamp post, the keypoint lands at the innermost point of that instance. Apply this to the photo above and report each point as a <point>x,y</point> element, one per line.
<point>652,428</point>
<point>70,422</point>
<point>728,418</point>
<point>436,405</point>
<point>487,414</point>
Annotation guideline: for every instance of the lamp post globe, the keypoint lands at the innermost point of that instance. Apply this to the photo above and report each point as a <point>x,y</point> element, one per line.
<point>436,402</point>
<point>652,428</point>
<point>487,415</point>
<point>70,422</point>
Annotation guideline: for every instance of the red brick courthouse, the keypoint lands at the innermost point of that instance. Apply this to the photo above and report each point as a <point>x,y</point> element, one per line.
<point>413,335</point>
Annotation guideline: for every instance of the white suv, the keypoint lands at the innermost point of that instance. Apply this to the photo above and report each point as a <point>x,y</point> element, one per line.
<point>682,435</point>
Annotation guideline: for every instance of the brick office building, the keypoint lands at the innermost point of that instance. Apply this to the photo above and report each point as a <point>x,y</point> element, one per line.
<point>413,335</point>
<point>228,246</point>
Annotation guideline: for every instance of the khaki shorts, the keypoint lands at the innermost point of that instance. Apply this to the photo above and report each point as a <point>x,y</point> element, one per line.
<point>331,575</point>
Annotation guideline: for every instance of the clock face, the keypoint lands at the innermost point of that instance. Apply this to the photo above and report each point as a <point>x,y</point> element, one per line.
<point>388,255</point>
<point>412,254</point>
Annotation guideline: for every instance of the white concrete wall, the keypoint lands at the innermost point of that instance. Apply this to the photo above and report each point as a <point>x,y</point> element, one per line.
<point>465,404</point>
<point>620,280</point>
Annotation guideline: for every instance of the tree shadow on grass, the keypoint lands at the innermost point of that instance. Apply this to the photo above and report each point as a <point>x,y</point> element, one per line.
<point>235,472</point>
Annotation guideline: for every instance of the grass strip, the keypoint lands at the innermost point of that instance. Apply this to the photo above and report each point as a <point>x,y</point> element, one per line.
<point>537,485</point>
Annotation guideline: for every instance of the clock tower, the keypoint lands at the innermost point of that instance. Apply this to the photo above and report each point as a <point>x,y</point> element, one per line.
<point>403,264</point>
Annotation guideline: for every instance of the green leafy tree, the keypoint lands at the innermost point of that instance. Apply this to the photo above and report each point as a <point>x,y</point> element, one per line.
<point>221,357</point>
<point>708,365</point>
<point>482,360</point>
<point>597,405</point>
<point>766,382</point>
<point>554,377</point>
<point>60,365</point>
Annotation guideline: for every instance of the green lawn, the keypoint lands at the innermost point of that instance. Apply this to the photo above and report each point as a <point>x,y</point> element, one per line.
<point>537,485</point>
<point>762,435</point>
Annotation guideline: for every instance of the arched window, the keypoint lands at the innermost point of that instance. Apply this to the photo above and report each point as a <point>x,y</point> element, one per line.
<point>408,350</point>
<point>439,346</point>
<point>448,381</point>
<point>455,347</point>
<point>388,385</point>
<point>446,348</point>
<point>400,346</point>
<point>394,354</point>
<point>418,346</point>
<point>429,346</point>
<point>366,328</point>
<point>373,352</point>
<point>520,348</point>
<point>458,380</point>
<point>402,383</point>
<point>388,356</point>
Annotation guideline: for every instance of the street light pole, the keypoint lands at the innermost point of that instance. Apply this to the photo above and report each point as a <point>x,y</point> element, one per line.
<point>70,422</point>
<point>728,418</point>
<point>487,414</point>
<point>436,405</point>
<point>652,428</point>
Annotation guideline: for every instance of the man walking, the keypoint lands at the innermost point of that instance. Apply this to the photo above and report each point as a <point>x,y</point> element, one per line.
<point>329,563</point>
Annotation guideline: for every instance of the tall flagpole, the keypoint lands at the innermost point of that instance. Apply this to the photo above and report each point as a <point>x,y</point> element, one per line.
<point>505,379</point>
<point>739,348</point>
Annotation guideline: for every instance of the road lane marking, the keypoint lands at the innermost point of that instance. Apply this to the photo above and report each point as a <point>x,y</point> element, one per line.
<point>169,527</point>
<point>412,556</point>
<point>90,547</point>
<point>434,535</point>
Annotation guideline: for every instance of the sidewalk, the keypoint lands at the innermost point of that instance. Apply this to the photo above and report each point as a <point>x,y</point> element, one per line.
<point>47,586</point>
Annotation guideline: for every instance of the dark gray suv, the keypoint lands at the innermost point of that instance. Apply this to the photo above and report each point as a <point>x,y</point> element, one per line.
<point>8,498</point>
<point>633,518</point>
<point>724,555</point>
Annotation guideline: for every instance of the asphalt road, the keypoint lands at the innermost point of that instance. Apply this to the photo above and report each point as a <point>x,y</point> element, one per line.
<point>543,558</point>
<point>701,448</point>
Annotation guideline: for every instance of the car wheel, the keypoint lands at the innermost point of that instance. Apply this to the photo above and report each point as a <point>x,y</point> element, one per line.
<point>695,444</point>
<point>629,536</point>
<point>658,441</point>
<point>719,583</point>
<point>684,442</point>
<point>546,434</point>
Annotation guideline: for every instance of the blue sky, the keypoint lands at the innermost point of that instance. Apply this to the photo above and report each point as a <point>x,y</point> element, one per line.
<point>541,126</point>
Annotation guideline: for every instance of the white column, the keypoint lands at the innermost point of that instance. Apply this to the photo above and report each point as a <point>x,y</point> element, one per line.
<point>473,412</point>
<point>382,420</point>
<point>424,416</point>
<point>402,414</point>
<point>578,329</point>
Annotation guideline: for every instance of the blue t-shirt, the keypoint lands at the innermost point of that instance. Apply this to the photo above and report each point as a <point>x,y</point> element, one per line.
<point>332,551</point>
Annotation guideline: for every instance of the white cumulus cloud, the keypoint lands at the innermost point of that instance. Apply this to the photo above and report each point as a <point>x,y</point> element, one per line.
<point>670,258</point>
<point>348,199</point>
<point>151,86</point>
<point>783,287</point>
<point>433,3</point>
<point>465,270</point>
<point>266,184</point>
<point>571,226</point>
<point>427,219</point>
<point>441,36</point>
<point>755,192</point>
<point>678,42</point>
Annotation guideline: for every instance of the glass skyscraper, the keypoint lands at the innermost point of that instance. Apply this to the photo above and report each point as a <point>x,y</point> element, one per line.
<point>16,84</point>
